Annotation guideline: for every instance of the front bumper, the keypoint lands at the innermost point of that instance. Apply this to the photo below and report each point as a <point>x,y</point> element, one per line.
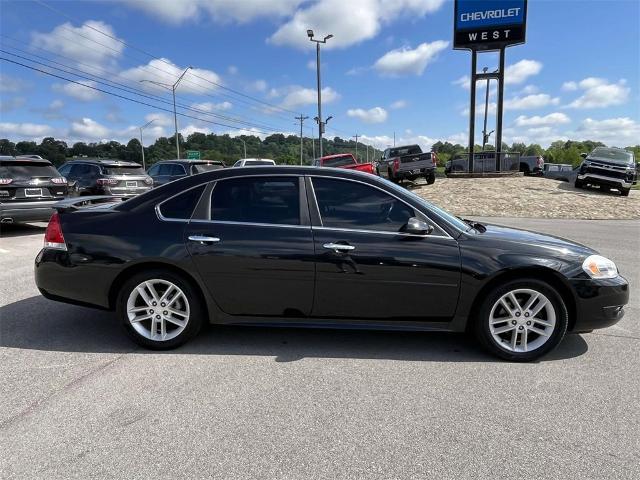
<point>36,211</point>
<point>599,303</point>
<point>603,180</point>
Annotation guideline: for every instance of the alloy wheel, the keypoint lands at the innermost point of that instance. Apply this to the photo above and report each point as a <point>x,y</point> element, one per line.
<point>158,310</point>
<point>522,320</point>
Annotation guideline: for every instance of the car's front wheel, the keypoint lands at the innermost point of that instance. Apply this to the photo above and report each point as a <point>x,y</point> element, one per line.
<point>625,192</point>
<point>579,183</point>
<point>159,310</point>
<point>522,320</point>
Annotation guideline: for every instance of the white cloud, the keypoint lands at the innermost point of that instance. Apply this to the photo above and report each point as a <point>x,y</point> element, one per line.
<point>529,90</point>
<point>9,84</point>
<point>258,86</point>
<point>165,71</point>
<point>179,11</point>
<point>80,44</point>
<point>89,129</point>
<point>398,104</point>
<point>384,141</point>
<point>13,103</point>
<point>464,82</point>
<point>159,119</point>
<point>538,121</point>
<point>569,86</point>
<point>26,130</point>
<point>295,96</point>
<point>520,71</point>
<point>232,69</point>
<point>373,115</point>
<point>599,93</point>
<point>350,22</point>
<point>622,131</point>
<point>407,61</point>
<point>530,102</point>
<point>78,90</point>
<point>211,106</point>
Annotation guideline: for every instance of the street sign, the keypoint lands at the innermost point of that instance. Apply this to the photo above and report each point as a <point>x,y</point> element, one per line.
<point>193,155</point>
<point>489,24</point>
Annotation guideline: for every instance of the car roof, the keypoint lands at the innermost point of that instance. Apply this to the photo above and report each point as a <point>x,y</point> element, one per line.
<point>105,162</point>
<point>336,155</point>
<point>259,159</point>
<point>191,162</point>
<point>26,160</point>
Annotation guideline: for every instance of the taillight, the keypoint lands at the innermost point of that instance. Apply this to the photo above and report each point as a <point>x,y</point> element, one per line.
<point>53,237</point>
<point>5,181</point>
<point>396,165</point>
<point>59,180</point>
<point>540,161</point>
<point>107,181</point>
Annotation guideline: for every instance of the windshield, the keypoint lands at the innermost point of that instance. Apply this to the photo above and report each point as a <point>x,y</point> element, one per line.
<point>205,167</point>
<point>446,216</point>
<point>338,161</point>
<point>400,151</point>
<point>613,154</point>
<point>120,170</point>
<point>259,162</point>
<point>27,170</point>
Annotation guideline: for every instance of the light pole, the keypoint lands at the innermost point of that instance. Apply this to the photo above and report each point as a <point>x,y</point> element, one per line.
<point>485,135</point>
<point>356,137</point>
<point>301,119</point>
<point>321,124</point>
<point>173,90</point>
<point>144,167</point>
<point>244,145</point>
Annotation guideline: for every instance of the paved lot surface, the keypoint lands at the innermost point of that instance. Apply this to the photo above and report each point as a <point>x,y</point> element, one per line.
<point>80,401</point>
<point>536,197</point>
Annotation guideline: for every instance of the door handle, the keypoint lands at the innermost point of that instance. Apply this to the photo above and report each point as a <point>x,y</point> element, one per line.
<point>203,239</point>
<point>339,247</point>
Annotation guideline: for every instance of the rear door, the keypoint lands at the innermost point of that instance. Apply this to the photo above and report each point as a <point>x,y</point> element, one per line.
<point>367,269</point>
<point>252,245</point>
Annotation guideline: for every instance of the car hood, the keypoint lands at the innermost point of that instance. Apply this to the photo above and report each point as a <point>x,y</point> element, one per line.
<point>608,161</point>
<point>531,239</point>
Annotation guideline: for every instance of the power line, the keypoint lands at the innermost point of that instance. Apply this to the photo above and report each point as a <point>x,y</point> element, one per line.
<point>127,98</point>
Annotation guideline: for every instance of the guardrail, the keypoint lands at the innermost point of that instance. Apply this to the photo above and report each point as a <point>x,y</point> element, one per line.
<point>485,162</point>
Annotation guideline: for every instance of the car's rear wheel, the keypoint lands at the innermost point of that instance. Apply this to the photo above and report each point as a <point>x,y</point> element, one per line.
<point>159,310</point>
<point>625,192</point>
<point>522,320</point>
<point>431,178</point>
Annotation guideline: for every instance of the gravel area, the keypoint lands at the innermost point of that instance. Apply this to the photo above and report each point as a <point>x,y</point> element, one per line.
<point>527,197</point>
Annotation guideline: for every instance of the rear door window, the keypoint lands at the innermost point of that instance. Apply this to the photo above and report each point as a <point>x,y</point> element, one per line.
<point>181,206</point>
<point>270,200</point>
<point>19,170</point>
<point>177,169</point>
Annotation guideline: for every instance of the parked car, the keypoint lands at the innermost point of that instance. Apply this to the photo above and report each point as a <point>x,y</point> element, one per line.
<point>532,165</point>
<point>608,168</point>
<point>106,177</point>
<point>306,246</point>
<point>253,162</point>
<point>166,171</point>
<point>28,189</point>
<point>486,162</point>
<point>559,171</point>
<point>344,160</point>
<point>407,163</point>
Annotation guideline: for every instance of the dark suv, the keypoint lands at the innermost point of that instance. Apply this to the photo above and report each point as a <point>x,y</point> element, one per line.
<point>166,171</point>
<point>29,186</point>
<point>106,177</point>
<point>608,168</point>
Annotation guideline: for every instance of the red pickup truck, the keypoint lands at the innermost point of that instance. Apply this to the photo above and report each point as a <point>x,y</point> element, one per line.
<point>344,160</point>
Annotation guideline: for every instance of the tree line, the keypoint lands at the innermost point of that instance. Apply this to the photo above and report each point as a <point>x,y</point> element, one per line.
<point>284,149</point>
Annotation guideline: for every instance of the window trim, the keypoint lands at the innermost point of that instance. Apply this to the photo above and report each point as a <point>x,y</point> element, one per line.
<point>182,220</point>
<point>443,232</point>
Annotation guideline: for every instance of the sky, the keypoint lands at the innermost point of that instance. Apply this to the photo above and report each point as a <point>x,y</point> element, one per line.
<point>390,68</point>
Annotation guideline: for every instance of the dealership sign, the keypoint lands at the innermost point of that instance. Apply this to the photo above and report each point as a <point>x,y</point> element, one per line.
<point>489,24</point>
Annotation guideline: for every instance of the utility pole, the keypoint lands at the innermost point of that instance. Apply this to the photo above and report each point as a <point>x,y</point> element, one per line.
<point>302,119</point>
<point>244,145</point>
<point>173,91</point>
<point>394,139</point>
<point>313,145</point>
<point>356,137</point>
<point>144,167</point>
<point>321,124</point>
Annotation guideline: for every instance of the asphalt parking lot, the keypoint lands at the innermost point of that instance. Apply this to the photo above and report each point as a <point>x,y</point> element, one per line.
<point>81,401</point>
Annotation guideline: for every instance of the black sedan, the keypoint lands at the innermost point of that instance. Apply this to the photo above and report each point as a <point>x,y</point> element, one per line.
<point>301,246</point>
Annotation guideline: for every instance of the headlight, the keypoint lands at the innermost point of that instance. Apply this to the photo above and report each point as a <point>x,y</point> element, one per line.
<point>600,267</point>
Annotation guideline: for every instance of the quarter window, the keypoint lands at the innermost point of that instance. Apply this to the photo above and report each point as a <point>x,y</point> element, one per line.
<point>345,204</point>
<point>181,207</point>
<point>274,200</point>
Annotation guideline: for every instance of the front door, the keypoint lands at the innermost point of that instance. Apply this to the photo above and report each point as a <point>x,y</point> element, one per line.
<point>367,268</point>
<point>254,247</point>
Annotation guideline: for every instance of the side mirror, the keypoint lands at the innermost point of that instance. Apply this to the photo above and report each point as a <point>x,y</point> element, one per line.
<point>417,227</point>
<point>583,155</point>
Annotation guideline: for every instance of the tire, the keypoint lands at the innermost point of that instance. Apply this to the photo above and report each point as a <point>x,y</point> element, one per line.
<point>625,192</point>
<point>431,179</point>
<point>392,178</point>
<point>497,335</point>
<point>177,325</point>
<point>579,184</point>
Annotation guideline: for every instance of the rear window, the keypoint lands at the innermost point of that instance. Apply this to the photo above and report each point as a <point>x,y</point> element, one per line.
<point>13,169</point>
<point>201,168</point>
<point>258,162</point>
<point>411,150</point>
<point>338,161</point>
<point>181,207</point>
<point>120,170</point>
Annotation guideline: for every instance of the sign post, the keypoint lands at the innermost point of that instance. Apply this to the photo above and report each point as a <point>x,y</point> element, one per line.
<point>193,155</point>
<point>485,26</point>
